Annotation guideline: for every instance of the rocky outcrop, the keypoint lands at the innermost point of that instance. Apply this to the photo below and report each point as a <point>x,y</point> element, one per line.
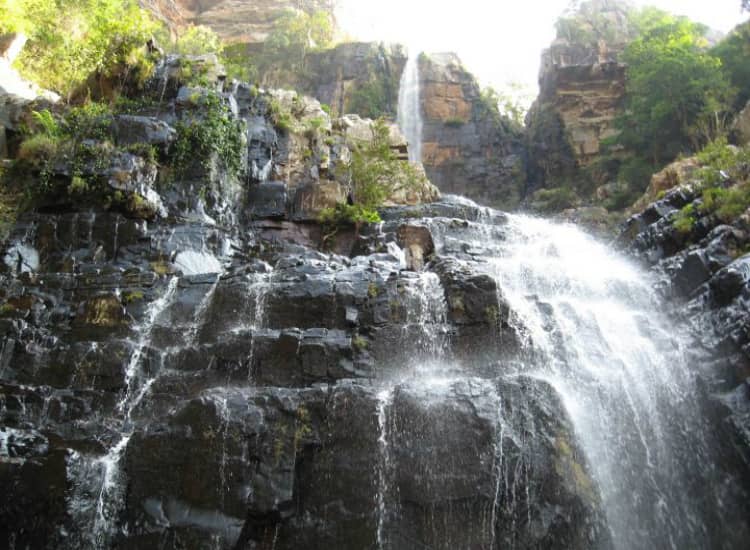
<point>702,268</point>
<point>582,87</point>
<point>352,77</point>
<point>246,21</point>
<point>467,148</point>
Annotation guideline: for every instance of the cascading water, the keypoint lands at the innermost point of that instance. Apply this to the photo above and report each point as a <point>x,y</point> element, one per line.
<point>410,108</point>
<point>590,325</point>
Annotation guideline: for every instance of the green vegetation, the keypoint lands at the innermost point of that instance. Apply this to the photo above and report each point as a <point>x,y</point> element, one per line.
<point>370,100</point>
<point>553,200</point>
<point>734,52</point>
<point>678,97</point>
<point>685,219</point>
<point>294,34</point>
<point>71,40</point>
<point>724,181</point>
<point>238,63</point>
<point>213,132</point>
<point>588,25</point>
<point>197,40</point>
<point>375,174</point>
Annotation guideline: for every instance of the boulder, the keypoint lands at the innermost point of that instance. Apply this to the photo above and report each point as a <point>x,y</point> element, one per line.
<point>416,240</point>
<point>132,129</point>
<point>311,199</point>
<point>268,200</point>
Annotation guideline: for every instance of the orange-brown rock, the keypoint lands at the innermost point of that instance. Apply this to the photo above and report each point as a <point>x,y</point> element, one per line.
<point>247,21</point>
<point>466,148</point>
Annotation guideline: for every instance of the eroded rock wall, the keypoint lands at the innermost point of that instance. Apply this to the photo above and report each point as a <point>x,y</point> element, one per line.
<point>466,148</point>
<point>246,21</point>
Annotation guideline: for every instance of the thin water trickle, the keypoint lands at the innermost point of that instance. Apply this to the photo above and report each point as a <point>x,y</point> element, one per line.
<point>111,491</point>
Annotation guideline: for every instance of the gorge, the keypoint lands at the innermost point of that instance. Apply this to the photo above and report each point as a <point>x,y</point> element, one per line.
<point>194,356</point>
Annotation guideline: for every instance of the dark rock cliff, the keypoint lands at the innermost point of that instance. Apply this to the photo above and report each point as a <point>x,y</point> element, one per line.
<point>194,372</point>
<point>467,148</point>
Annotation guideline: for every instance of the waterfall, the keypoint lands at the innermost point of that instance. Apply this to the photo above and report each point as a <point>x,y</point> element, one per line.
<point>410,109</point>
<point>592,328</point>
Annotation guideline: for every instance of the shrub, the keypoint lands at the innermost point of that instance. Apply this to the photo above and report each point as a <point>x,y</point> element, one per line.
<point>214,132</point>
<point>39,149</point>
<point>69,40</point>
<point>553,200</point>
<point>685,219</point>
<point>375,174</point>
<point>370,100</point>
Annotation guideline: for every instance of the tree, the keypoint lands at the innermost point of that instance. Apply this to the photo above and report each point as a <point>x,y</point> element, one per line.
<point>69,40</point>
<point>197,40</point>
<point>734,52</point>
<point>678,97</point>
<point>294,34</point>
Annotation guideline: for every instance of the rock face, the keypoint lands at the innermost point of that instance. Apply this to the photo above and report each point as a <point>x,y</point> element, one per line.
<point>204,376</point>
<point>353,77</point>
<point>582,85</point>
<point>466,149</point>
<point>246,21</point>
<point>704,272</point>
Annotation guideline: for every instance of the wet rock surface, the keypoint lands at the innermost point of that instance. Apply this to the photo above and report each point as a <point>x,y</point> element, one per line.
<point>210,388</point>
<point>213,376</point>
<point>704,273</point>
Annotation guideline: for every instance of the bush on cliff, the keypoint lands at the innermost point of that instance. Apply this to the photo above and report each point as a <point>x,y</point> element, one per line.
<point>70,40</point>
<point>375,174</point>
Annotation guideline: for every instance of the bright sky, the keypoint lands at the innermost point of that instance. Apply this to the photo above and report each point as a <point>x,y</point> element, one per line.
<point>498,40</point>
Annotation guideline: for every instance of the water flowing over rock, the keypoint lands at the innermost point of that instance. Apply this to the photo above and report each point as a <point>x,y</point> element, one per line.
<point>213,372</point>
<point>195,385</point>
<point>410,108</point>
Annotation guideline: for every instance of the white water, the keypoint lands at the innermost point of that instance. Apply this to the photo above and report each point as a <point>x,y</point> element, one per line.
<point>591,326</point>
<point>410,109</point>
<point>137,386</point>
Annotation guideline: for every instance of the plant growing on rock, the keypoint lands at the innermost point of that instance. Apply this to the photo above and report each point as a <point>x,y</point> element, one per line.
<point>71,40</point>
<point>375,174</point>
<point>213,132</point>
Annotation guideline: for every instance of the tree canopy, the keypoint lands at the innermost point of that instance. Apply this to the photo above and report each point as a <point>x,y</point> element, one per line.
<point>678,96</point>
<point>68,40</point>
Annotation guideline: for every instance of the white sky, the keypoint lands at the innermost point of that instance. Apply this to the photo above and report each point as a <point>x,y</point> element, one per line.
<point>499,41</point>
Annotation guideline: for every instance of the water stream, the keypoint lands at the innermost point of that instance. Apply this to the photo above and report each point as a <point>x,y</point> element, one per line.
<point>410,109</point>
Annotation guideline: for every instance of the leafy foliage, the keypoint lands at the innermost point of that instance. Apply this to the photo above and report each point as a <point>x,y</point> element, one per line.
<point>197,40</point>
<point>370,100</point>
<point>69,40</point>
<point>553,200</point>
<point>587,23</point>
<point>294,34</point>
<point>375,173</point>
<point>734,52</point>
<point>678,97</point>
<point>724,185</point>
<point>213,132</point>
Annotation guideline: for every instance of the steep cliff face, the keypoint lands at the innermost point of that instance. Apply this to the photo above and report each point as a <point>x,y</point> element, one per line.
<point>582,87</point>
<point>246,21</point>
<point>466,147</point>
<point>353,77</point>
